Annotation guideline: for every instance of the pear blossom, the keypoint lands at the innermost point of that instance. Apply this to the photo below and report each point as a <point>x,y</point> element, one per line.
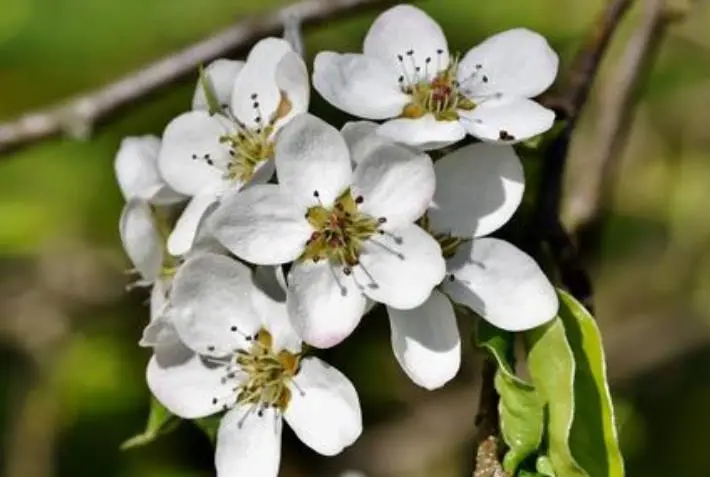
<point>248,363</point>
<point>478,189</point>
<point>430,98</point>
<point>136,166</point>
<point>350,233</point>
<point>209,153</point>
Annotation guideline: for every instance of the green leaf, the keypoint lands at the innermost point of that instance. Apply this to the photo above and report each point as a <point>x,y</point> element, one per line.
<point>210,95</point>
<point>552,367</point>
<point>499,343</point>
<point>521,420</point>
<point>593,437</point>
<point>520,408</point>
<point>209,425</point>
<point>160,422</point>
<point>544,466</point>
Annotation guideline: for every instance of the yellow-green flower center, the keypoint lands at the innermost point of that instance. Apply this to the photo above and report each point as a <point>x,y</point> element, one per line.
<point>440,96</point>
<point>449,243</point>
<point>339,231</point>
<point>268,374</point>
<point>248,148</point>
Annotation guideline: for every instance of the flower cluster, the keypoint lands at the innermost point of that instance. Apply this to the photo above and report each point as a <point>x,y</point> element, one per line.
<point>290,230</point>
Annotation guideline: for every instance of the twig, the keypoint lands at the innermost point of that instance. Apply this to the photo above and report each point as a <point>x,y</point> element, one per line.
<point>77,116</point>
<point>547,227</point>
<point>585,207</point>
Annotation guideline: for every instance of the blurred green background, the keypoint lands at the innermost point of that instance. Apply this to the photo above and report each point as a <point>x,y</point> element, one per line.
<point>72,377</point>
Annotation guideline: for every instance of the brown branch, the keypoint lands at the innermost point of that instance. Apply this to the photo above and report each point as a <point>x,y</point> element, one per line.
<point>547,226</point>
<point>588,202</point>
<point>77,116</point>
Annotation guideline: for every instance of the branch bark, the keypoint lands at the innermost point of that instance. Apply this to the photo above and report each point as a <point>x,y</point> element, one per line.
<point>77,116</point>
<point>587,203</point>
<point>547,226</point>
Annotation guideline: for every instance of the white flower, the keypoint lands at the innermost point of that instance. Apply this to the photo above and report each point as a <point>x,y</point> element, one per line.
<point>248,363</point>
<point>207,155</point>
<point>136,167</point>
<point>407,73</point>
<point>350,232</point>
<point>145,246</point>
<point>478,188</point>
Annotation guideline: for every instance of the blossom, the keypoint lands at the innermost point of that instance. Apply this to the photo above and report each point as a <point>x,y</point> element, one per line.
<point>430,98</point>
<point>478,189</point>
<point>349,232</point>
<point>136,167</point>
<point>207,154</point>
<point>248,362</point>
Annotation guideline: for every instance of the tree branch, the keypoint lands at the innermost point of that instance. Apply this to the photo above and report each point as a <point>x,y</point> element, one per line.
<point>547,226</point>
<point>588,202</point>
<point>77,116</point>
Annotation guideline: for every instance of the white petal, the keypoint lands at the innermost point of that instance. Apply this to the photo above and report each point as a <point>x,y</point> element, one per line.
<point>292,80</point>
<point>327,416</point>
<point>395,183</point>
<point>212,304</point>
<point>189,141</point>
<point>256,82</point>
<point>188,390</point>
<point>407,31</point>
<point>426,341</point>
<point>362,138</point>
<point>400,268</point>
<point>359,85</point>
<point>478,188</point>
<point>516,62</point>
<point>502,284</point>
<point>507,120</point>
<point>261,225</point>
<point>168,349</point>
<point>136,168</point>
<point>311,156</point>
<point>270,300</point>
<point>158,299</point>
<point>325,305</point>
<point>221,74</point>
<point>141,239</point>
<point>249,447</point>
<point>425,133</point>
<point>185,231</point>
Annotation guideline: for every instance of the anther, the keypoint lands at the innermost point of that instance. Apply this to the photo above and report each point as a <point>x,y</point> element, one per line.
<point>210,348</point>
<point>214,401</point>
<point>439,51</point>
<point>382,220</point>
<point>254,96</point>
<point>410,52</point>
<point>359,199</point>
<point>485,79</point>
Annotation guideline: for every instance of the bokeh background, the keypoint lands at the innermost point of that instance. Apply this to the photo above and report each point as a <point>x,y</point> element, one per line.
<point>72,376</point>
